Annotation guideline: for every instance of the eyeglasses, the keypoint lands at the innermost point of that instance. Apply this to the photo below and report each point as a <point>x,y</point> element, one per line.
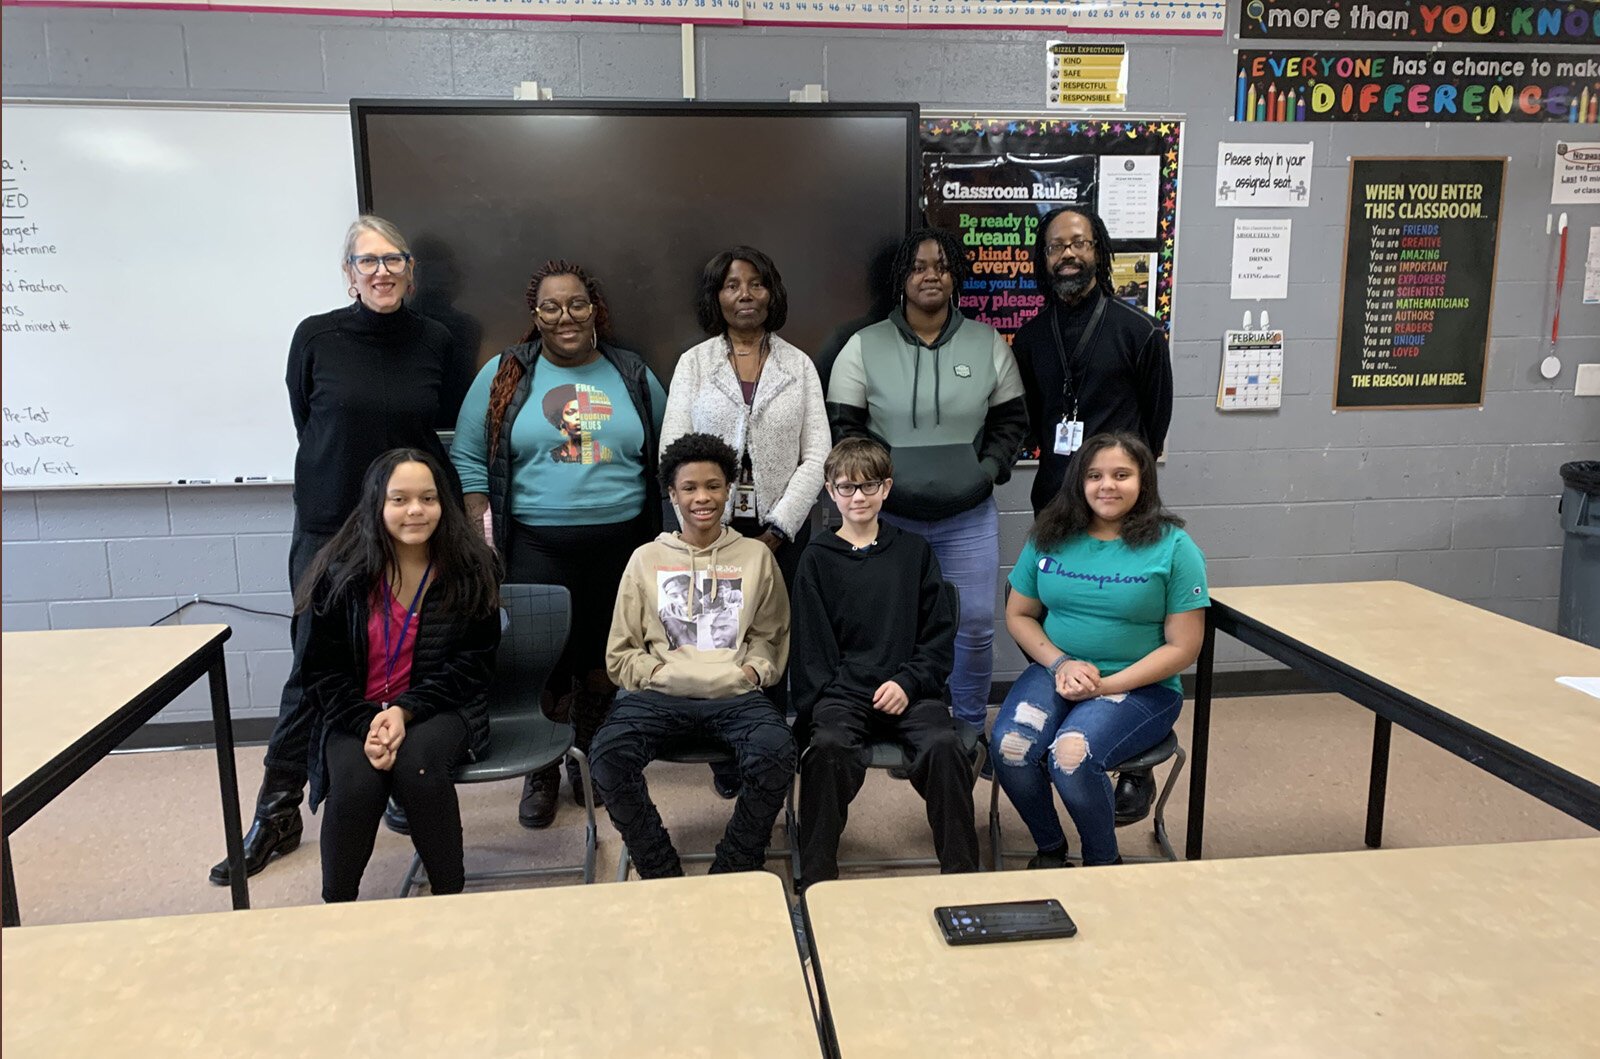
<point>579,309</point>
<point>1056,247</point>
<point>848,489</point>
<point>367,264</point>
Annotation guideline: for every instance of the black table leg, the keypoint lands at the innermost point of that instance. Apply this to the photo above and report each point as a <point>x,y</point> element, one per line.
<point>12,916</point>
<point>1378,785</point>
<point>222,723</point>
<point>1201,740</point>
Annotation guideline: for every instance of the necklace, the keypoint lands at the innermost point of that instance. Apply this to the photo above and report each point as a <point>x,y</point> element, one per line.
<point>760,352</point>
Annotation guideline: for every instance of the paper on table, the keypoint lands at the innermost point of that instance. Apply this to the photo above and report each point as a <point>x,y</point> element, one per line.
<point>1587,685</point>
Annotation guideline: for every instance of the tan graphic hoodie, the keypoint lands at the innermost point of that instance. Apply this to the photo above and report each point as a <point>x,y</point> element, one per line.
<point>688,619</point>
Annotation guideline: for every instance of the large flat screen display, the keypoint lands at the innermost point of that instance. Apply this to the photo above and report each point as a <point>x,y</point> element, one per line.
<point>641,195</point>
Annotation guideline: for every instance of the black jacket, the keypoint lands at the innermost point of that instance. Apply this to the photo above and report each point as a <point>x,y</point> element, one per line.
<point>451,669</point>
<point>362,383</point>
<point>861,618</point>
<point>1122,382</point>
<point>634,371</point>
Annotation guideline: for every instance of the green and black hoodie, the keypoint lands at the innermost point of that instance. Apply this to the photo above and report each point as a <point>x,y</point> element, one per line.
<point>952,413</point>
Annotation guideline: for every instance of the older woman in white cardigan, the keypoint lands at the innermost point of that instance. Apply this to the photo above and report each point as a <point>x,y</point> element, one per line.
<point>762,396</point>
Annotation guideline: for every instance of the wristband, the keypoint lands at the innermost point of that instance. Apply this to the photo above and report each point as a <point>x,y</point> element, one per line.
<point>773,529</point>
<point>1055,666</point>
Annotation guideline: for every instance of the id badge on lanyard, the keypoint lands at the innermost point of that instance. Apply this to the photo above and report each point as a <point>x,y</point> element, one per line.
<point>1069,435</point>
<point>744,494</point>
<point>1069,432</point>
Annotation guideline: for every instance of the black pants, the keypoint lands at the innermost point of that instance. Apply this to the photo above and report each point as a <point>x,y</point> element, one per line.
<point>835,766</point>
<point>289,748</point>
<point>588,561</point>
<point>788,559</point>
<point>640,722</point>
<point>419,781</point>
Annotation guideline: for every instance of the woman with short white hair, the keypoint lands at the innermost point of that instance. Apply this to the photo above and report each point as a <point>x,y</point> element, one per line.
<point>368,377</point>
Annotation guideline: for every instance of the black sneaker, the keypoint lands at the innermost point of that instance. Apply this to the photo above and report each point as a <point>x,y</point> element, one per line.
<point>1136,793</point>
<point>1053,859</point>
<point>725,781</point>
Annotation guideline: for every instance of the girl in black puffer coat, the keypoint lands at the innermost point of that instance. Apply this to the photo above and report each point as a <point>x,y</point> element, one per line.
<point>404,624</point>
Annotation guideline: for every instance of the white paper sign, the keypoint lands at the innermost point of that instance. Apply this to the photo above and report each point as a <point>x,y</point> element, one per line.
<point>1130,194</point>
<point>1577,174</point>
<point>1260,260</point>
<point>1264,174</point>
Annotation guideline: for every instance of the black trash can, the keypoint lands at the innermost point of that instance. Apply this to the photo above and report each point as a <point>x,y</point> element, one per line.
<point>1578,613</point>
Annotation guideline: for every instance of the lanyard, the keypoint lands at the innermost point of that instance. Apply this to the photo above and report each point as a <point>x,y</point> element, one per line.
<point>1069,391</point>
<point>391,657</point>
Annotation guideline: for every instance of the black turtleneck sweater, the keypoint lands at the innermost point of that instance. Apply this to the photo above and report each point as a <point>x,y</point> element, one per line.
<point>863,617</point>
<point>1123,380</point>
<point>362,383</point>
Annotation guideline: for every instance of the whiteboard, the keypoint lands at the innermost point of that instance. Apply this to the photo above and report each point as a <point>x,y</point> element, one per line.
<point>157,258</point>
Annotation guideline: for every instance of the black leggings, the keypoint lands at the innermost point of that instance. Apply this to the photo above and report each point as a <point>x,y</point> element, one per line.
<point>420,781</point>
<point>588,561</point>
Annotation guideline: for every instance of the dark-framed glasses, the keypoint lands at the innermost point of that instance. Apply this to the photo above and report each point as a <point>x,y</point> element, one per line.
<point>367,264</point>
<point>848,489</point>
<point>580,309</point>
<point>1057,247</point>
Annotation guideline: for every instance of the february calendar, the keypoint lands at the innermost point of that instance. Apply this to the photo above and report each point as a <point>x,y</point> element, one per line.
<point>1252,371</point>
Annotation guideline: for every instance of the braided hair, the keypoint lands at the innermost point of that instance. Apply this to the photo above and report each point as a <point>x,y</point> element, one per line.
<point>1044,279</point>
<point>955,259</point>
<point>510,372</point>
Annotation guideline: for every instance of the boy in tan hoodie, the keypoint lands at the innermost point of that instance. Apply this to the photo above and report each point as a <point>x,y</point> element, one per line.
<point>701,625</point>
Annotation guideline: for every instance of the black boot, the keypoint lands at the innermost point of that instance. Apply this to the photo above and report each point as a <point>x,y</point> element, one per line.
<point>539,793</point>
<point>276,829</point>
<point>1136,792</point>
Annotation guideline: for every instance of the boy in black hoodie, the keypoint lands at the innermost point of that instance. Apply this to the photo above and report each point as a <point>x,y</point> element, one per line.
<point>874,641</point>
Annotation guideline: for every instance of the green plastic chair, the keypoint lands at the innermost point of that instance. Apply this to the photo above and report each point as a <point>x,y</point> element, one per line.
<point>522,740</point>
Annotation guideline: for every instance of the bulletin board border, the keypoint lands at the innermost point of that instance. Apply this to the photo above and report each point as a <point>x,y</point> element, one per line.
<point>939,121</point>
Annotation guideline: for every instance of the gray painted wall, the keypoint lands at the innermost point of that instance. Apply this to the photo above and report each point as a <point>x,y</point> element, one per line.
<point>1463,502</point>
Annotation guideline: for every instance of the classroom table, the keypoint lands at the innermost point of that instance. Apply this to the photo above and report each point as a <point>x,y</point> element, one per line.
<point>1453,951</point>
<point>1474,683</point>
<point>704,966</point>
<point>70,697</point>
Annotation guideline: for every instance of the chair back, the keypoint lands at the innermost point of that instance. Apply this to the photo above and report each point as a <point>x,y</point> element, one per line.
<point>539,618</point>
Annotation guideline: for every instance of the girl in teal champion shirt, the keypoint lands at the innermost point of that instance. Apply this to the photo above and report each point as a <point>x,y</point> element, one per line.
<point>1107,600</point>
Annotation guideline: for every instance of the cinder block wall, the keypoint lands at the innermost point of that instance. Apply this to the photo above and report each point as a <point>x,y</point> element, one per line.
<point>1463,502</point>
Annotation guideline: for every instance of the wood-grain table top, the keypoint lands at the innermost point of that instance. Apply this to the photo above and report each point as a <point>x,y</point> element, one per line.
<point>1457,951</point>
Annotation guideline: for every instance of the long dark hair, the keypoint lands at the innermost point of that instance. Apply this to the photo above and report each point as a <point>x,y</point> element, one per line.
<point>708,309</point>
<point>1044,279</point>
<point>955,258</point>
<point>1068,514</point>
<point>466,573</point>
<point>509,374</point>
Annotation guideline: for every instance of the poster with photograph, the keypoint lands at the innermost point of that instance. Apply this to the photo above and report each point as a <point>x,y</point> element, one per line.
<point>1419,268</point>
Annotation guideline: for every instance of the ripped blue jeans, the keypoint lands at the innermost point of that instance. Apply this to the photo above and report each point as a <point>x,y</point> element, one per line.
<point>1081,741</point>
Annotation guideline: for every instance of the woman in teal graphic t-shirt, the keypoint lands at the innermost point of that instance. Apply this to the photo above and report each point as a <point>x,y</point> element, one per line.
<point>1106,599</point>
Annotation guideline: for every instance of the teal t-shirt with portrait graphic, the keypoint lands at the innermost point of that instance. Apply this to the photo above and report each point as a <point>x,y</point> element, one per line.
<point>577,445</point>
<point>1108,603</point>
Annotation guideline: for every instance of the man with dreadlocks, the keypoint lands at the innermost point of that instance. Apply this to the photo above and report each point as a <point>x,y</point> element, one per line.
<point>1092,364</point>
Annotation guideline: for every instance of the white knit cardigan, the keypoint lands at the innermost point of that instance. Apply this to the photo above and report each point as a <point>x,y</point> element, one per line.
<point>785,430</point>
